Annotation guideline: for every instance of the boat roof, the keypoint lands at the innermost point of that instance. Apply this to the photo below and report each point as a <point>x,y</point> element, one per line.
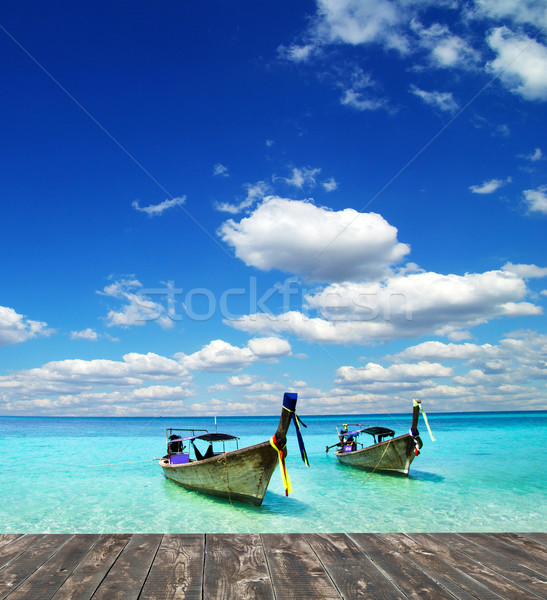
<point>207,437</point>
<point>379,431</point>
<point>371,431</point>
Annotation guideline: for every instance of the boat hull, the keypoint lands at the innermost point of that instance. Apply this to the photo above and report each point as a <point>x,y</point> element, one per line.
<point>391,456</point>
<point>239,475</point>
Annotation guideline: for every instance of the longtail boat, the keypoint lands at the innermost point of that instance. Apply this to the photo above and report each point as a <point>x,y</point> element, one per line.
<point>387,454</point>
<point>240,474</point>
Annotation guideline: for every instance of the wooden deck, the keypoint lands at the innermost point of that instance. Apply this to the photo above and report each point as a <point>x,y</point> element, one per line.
<point>386,566</point>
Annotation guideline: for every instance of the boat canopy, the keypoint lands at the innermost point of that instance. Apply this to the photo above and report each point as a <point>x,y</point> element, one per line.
<point>206,437</point>
<point>382,431</point>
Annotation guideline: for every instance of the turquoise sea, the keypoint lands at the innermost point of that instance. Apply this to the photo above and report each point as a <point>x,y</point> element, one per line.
<point>484,472</point>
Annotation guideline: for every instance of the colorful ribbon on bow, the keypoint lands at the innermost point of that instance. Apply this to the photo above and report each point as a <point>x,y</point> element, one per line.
<point>282,466</point>
<point>416,402</point>
<point>297,422</point>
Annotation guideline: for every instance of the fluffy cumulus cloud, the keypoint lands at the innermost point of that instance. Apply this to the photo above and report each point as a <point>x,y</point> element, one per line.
<point>85,334</point>
<point>519,11</point>
<point>446,49</point>
<point>269,347</point>
<point>137,384</point>
<point>526,271</point>
<point>15,328</point>
<point>536,200</point>
<point>355,22</point>
<point>373,373</point>
<point>434,34</point>
<point>521,63</point>
<point>405,305</point>
<point>97,386</point>
<point>498,376</point>
<point>313,242</point>
<point>220,356</point>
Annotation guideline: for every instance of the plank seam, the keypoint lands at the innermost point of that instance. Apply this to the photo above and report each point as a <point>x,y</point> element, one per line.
<point>384,573</point>
<point>111,567</point>
<point>493,568</point>
<point>150,566</point>
<point>305,536</point>
<point>437,578</point>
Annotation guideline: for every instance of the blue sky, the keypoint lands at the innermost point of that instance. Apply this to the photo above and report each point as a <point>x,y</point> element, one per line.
<point>207,204</point>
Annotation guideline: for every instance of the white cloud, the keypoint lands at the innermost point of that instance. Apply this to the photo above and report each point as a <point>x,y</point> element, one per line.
<point>296,53</point>
<point>521,63</point>
<point>85,334</point>
<point>358,90</point>
<point>536,200</point>
<point>403,306</point>
<point>526,271</point>
<point>313,242</point>
<point>444,101</point>
<point>117,402</point>
<point>219,170</point>
<point>373,373</point>
<point>138,309</point>
<point>16,328</point>
<point>536,155</point>
<point>220,356</point>
<point>490,186</point>
<point>137,384</point>
<point>509,375</point>
<point>330,185</point>
<point>255,193</point>
<point>154,210</point>
<point>301,177</point>
<point>269,347</point>
<point>248,385</point>
<point>446,49</point>
<point>240,380</point>
<point>355,22</point>
<point>436,351</point>
<point>76,375</point>
<point>519,11</point>
<point>355,99</point>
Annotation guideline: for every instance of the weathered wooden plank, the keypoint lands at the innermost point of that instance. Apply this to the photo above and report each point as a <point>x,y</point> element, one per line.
<point>46,580</point>
<point>529,545</point>
<point>287,566</point>
<point>413,582</point>
<point>13,574</point>
<point>16,547</point>
<point>128,574</point>
<point>456,581</point>
<point>86,577</point>
<point>8,538</point>
<point>295,570</point>
<point>177,570</point>
<point>538,536</point>
<point>512,549</point>
<point>353,573</point>
<point>235,568</point>
<point>495,572</point>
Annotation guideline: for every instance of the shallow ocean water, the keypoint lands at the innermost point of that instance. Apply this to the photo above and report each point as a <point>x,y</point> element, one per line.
<point>484,472</point>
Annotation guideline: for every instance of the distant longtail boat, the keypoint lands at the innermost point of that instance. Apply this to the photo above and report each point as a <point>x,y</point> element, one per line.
<point>241,474</point>
<point>387,454</point>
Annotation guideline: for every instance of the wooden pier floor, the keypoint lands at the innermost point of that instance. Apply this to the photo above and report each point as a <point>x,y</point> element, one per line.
<point>300,566</point>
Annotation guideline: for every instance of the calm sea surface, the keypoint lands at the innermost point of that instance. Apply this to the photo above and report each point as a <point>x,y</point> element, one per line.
<point>485,472</point>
